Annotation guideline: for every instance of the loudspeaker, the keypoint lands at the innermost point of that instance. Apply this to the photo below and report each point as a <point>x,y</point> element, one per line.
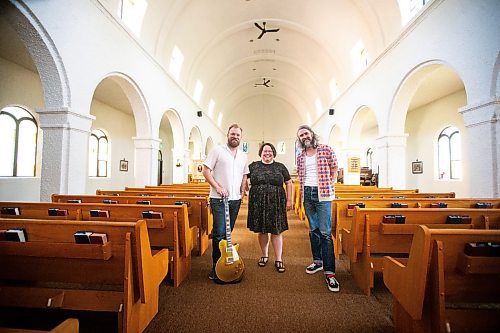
<point>331,112</point>
<point>199,113</point>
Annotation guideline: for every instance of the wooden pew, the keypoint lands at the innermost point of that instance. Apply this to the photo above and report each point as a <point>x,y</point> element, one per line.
<point>172,231</point>
<point>68,326</point>
<point>442,289</point>
<point>51,271</point>
<point>369,239</point>
<point>200,215</point>
<point>145,192</point>
<point>342,214</point>
<point>395,194</point>
<point>202,192</point>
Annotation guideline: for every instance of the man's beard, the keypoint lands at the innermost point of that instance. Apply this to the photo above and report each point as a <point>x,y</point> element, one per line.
<point>233,143</point>
<point>308,144</point>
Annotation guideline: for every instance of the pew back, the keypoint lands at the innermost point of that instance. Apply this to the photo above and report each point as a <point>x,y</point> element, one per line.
<point>370,239</point>
<point>451,291</point>
<point>200,215</point>
<point>50,270</point>
<point>171,231</point>
<point>342,213</point>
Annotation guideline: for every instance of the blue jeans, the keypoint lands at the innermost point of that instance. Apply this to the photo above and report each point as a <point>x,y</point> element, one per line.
<point>319,214</point>
<point>219,229</point>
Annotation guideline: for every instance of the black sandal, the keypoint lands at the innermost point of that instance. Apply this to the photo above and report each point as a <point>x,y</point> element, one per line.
<point>263,261</point>
<point>279,266</point>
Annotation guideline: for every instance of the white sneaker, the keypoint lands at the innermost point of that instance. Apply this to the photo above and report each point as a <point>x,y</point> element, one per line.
<point>314,267</point>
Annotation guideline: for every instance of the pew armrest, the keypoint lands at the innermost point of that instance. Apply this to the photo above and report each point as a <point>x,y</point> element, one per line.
<point>152,268</point>
<point>407,283</point>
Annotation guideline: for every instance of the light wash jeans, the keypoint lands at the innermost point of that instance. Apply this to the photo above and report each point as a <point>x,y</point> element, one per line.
<point>219,229</point>
<point>319,214</point>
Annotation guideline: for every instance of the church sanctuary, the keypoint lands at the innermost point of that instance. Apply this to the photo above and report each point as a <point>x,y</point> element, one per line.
<point>371,135</point>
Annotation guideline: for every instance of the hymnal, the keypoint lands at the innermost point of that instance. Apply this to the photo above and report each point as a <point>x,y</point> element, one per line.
<point>457,219</point>
<point>144,202</point>
<point>400,219</point>
<point>74,201</point>
<point>58,212</point>
<point>389,219</point>
<point>16,235</point>
<point>99,213</point>
<point>98,238</point>
<point>480,249</point>
<point>399,205</point>
<point>109,201</point>
<point>11,211</point>
<point>439,205</point>
<point>187,203</point>
<point>82,237</point>
<point>359,204</point>
<point>494,249</point>
<point>483,205</point>
<point>149,214</point>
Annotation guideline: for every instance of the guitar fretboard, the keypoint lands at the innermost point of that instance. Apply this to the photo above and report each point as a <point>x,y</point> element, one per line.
<point>228,226</point>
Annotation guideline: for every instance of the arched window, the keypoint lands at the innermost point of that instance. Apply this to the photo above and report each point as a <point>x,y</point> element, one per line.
<point>450,154</point>
<point>98,154</point>
<point>18,137</point>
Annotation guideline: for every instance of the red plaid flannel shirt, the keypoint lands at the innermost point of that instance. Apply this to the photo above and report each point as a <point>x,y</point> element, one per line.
<point>326,162</point>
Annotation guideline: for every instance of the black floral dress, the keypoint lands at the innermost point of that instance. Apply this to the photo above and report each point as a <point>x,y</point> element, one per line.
<point>267,198</point>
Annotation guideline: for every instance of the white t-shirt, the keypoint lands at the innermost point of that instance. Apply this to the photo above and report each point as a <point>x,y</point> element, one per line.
<point>311,171</point>
<point>227,170</point>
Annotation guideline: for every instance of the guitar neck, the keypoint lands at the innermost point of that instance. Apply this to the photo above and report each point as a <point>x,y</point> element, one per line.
<point>228,224</point>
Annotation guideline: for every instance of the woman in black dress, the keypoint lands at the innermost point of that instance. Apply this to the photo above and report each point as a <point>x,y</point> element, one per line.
<point>268,203</point>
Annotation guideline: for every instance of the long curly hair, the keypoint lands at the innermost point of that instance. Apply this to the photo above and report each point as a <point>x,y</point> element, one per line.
<point>315,138</point>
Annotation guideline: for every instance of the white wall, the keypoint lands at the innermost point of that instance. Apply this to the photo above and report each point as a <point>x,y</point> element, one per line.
<point>119,128</point>
<point>423,126</point>
<point>261,120</point>
<point>22,87</point>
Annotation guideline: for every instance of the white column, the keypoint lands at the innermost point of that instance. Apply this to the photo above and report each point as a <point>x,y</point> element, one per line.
<point>187,158</point>
<point>65,151</point>
<point>146,161</point>
<point>179,160</point>
<point>482,123</point>
<point>392,161</point>
<point>350,178</point>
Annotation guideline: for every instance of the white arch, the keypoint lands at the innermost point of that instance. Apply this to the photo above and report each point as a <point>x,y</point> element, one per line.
<point>137,101</point>
<point>43,52</point>
<point>406,91</point>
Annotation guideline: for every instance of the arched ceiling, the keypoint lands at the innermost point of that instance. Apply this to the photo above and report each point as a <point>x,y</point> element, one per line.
<point>218,39</point>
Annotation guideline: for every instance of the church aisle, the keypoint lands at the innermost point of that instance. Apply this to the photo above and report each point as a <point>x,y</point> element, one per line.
<point>266,301</point>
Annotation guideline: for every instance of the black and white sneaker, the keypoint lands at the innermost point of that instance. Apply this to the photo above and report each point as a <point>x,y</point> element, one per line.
<point>314,267</point>
<point>212,275</point>
<point>332,283</point>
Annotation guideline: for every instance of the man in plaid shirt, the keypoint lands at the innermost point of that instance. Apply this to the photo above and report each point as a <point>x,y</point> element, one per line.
<point>317,168</point>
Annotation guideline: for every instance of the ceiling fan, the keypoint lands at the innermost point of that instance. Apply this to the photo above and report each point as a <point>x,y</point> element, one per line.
<point>265,83</point>
<point>264,30</point>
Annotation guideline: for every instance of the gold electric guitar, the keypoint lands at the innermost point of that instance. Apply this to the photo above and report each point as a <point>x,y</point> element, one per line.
<point>229,267</point>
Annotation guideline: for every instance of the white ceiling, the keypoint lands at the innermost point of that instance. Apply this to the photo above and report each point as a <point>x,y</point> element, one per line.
<point>218,39</point>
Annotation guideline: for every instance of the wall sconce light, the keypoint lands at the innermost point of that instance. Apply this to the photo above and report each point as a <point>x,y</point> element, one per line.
<point>178,163</point>
<point>199,113</point>
<point>331,112</point>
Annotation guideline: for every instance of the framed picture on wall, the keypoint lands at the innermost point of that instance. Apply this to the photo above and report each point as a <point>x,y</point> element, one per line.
<point>123,165</point>
<point>417,167</point>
